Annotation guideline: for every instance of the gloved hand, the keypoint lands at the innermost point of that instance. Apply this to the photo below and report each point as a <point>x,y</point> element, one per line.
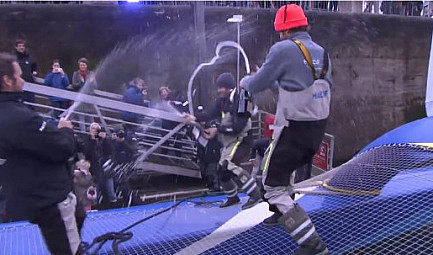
<point>189,118</point>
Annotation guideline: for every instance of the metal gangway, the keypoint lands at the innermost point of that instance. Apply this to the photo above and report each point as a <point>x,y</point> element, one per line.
<point>166,151</point>
<point>161,150</point>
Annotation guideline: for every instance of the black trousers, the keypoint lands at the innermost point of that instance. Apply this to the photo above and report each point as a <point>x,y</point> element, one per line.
<point>59,228</point>
<point>295,147</point>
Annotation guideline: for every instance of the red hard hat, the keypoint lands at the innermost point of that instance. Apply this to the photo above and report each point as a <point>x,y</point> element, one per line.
<point>288,17</point>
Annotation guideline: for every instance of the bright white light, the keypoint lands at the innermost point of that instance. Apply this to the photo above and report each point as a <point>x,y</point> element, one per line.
<point>235,19</point>
<point>132,1</point>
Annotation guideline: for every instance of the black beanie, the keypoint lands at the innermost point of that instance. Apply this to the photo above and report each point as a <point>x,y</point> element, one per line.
<point>226,80</point>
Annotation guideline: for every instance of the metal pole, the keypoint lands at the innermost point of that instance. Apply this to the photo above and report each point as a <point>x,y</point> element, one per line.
<point>200,32</point>
<point>429,89</point>
<point>238,63</point>
<point>237,19</point>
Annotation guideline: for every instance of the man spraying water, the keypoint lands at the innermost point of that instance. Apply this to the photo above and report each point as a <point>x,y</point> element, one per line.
<point>234,133</point>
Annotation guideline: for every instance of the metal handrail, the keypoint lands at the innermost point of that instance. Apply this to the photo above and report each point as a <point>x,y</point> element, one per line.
<point>112,106</point>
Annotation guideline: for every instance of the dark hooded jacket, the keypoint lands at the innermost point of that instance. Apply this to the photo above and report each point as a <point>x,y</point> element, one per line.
<point>34,168</point>
<point>27,64</point>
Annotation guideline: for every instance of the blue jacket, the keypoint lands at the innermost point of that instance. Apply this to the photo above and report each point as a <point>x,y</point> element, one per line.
<point>132,96</point>
<point>56,80</point>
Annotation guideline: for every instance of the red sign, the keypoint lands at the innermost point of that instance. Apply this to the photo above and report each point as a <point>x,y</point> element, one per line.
<point>321,158</point>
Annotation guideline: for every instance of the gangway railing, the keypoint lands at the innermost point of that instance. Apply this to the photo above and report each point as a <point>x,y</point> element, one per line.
<point>161,150</point>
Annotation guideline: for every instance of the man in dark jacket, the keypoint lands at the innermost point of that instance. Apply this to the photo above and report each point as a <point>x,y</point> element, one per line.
<point>208,156</point>
<point>28,67</point>
<point>234,135</point>
<point>34,170</point>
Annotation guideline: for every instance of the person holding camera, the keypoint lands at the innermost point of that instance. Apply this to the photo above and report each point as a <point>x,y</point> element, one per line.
<point>124,151</point>
<point>99,151</point>
<point>58,79</point>
<point>34,164</point>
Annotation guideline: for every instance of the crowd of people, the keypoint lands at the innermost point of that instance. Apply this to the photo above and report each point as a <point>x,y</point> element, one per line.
<point>405,8</point>
<point>54,179</point>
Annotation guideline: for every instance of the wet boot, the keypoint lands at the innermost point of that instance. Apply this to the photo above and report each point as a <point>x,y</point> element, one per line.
<point>255,198</point>
<point>230,201</point>
<point>300,227</point>
<point>249,186</point>
<point>273,219</point>
<point>231,191</point>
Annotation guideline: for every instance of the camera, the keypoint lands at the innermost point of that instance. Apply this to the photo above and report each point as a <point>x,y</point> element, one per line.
<point>100,130</point>
<point>121,134</point>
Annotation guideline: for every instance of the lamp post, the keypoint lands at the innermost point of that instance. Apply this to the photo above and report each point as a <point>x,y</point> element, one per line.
<point>237,19</point>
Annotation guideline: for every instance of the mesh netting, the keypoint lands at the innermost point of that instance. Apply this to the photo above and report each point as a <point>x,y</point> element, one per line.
<point>380,202</point>
<point>372,170</point>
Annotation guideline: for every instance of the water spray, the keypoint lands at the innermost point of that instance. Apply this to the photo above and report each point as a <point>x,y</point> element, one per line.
<point>213,60</point>
<point>87,87</point>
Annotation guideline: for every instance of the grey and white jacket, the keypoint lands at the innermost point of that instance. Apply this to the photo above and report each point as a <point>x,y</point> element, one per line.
<point>285,69</point>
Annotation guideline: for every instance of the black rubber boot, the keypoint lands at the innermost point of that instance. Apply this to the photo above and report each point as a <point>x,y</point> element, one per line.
<point>255,198</point>
<point>300,227</point>
<point>273,219</point>
<point>230,201</point>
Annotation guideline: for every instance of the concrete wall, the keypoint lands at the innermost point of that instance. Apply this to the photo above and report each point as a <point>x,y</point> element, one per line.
<point>380,62</point>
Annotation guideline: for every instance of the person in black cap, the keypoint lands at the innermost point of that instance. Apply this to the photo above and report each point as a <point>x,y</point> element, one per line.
<point>233,131</point>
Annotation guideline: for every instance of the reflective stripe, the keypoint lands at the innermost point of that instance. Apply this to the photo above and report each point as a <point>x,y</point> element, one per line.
<point>247,184</point>
<point>223,115</point>
<point>234,149</point>
<point>252,189</point>
<point>301,227</point>
<point>323,252</point>
<point>265,168</point>
<point>231,193</point>
<point>306,236</point>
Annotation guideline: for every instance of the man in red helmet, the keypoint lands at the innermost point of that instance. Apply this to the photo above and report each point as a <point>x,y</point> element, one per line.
<point>301,70</point>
